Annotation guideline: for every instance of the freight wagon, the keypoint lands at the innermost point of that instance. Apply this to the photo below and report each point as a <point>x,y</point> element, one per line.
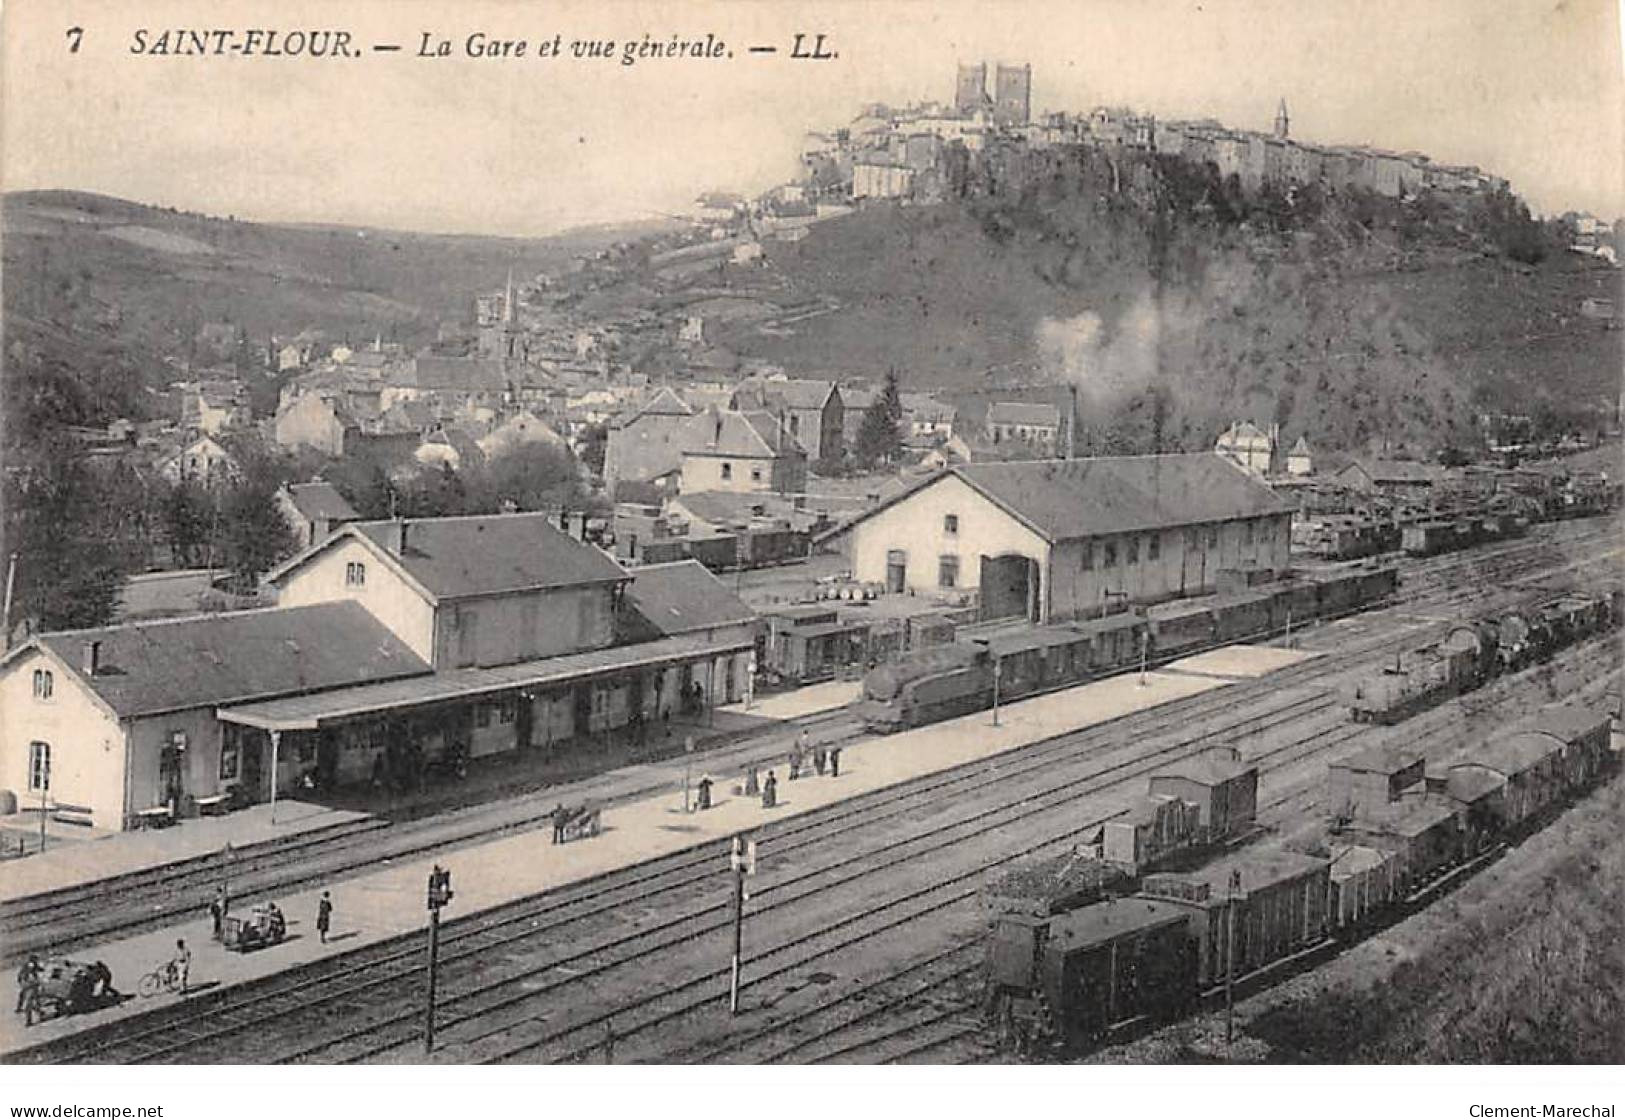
<point>1473,652</point>
<point>1069,977</point>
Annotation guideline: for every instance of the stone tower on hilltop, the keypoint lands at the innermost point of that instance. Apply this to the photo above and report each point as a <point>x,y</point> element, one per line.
<point>970,92</point>
<point>1013,95</point>
<point>1283,125</point>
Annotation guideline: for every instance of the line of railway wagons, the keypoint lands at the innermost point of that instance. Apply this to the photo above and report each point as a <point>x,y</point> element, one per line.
<point>1428,532</point>
<point>953,680</point>
<point>1071,976</point>
<point>1474,652</point>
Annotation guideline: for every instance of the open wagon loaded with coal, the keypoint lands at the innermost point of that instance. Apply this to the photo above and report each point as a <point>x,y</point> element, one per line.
<point>1475,651</point>
<point>1054,979</point>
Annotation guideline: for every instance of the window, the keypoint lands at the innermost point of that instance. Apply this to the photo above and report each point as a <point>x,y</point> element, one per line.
<point>39,767</point>
<point>795,424</point>
<point>950,524</point>
<point>1247,535</point>
<point>1153,546</point>
<point>1193,539</point>
<point>727,472</point>
<point>948,571</point>
<point>1086,560</point>
<point>44,679</point>
<point>756,474</point>
<point>1213,536</point>
<point>355,574</point>
<point>1132,548</point>
<point>507,711</point>
<point>177,742</point>
<point>228,759</point>
<point>1108,557</point>
<point>482,715</point>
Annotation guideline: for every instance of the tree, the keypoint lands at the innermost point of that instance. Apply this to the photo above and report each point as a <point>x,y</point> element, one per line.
<point>529,476</point>
<point>880,438</point>
<point>70,562</point>
<point>595,441</point>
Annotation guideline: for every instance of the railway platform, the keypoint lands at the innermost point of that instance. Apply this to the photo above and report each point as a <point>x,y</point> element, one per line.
<point>390,902</point>
<point>107,855</point>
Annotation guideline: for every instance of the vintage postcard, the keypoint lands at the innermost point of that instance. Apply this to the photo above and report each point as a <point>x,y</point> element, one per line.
<point>707,534</point>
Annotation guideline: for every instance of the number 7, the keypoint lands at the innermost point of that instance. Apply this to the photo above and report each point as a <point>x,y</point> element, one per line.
<point>75,35</point>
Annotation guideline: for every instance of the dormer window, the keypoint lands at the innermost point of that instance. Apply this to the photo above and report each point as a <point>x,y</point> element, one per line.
<point>44,680</point>
<point>355,574</point>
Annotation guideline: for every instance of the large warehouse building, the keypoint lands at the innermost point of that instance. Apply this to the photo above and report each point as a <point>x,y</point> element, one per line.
<point>1061,538</point>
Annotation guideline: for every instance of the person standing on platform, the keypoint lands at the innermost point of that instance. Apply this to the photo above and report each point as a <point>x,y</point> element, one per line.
<point>835,762</point>
<point>753,784</point>
<point>819,757</point>
<point>181,965</point>
<point>28,990</point>
<point>324,915</point>
<point>216,915</point>
<point>558,823</point>
<point>770,791</point>
<point>705,793</point>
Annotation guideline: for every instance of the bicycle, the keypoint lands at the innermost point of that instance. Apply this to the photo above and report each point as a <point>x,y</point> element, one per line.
<point>166,977</point>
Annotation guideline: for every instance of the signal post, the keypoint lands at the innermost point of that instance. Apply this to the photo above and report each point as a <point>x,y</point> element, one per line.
<point>742,862</point>
<point>439,895</point>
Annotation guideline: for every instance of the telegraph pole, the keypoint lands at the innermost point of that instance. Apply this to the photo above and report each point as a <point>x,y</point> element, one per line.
<point>998,672</point>
<point>742,862</point>
<point>44,788</point>
<point>439,896</point>
<point>1230,961</point>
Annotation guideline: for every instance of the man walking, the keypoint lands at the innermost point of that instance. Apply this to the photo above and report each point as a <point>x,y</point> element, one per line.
<point>324,916</point>
<point>835,762</point>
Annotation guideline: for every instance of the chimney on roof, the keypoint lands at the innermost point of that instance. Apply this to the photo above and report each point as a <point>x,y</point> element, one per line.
<point>716,432</point>
<point>92,658</point>
<point>578,525</point>
<point>398,536</point>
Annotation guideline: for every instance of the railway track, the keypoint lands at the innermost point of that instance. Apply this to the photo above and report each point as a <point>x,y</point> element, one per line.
<point>71,917</point>
<point>152,897</point>
<point>330,990</point>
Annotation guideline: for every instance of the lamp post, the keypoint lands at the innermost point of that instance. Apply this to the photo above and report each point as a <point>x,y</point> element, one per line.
<point>1145,643</point>
<point>688,769</point>
<point>276,749</point>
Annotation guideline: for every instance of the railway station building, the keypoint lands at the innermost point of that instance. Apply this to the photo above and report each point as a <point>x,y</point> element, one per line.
<point>395,647</point>
<point>1059,539</point>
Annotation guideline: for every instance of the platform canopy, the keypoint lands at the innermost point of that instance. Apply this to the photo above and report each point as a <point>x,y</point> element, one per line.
<point>322,709</point>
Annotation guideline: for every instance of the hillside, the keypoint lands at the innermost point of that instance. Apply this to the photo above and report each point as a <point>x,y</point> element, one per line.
<point>1176,306</point>
<point>100,284</point>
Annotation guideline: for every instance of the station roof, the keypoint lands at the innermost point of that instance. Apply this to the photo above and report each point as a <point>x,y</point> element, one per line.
<point>460,557</point>
<point>144,668</point>
<point>682,597</point>
<point>307,713</point>
<point>1069,499</point>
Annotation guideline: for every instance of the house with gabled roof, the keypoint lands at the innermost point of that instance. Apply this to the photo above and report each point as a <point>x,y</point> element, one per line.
<point>1065,538</point>
<point>460,591</point>
<point>812,409</point>
<point>739,452</point>
<point>313,510</point>
<point>118,723</point>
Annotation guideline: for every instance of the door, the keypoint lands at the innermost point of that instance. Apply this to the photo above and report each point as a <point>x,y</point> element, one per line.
<point>251,746</point>
<point>896,571</point>
<point>172,771</point>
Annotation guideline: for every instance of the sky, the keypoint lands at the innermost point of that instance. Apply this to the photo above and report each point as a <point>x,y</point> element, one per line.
<point>1528,89</point>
